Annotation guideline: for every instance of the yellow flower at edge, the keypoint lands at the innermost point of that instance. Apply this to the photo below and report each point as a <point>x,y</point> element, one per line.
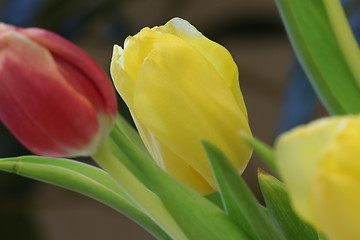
<point>320,164</point>
<point>180,88</point>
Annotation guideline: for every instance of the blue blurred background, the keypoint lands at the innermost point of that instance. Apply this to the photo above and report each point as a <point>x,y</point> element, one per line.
<point>276,90</point>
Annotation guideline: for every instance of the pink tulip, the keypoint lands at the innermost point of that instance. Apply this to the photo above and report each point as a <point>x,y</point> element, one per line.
<point>53,97</point>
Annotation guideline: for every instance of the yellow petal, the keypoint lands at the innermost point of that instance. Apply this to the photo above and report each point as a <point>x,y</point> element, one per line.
<point>172,163</point>
<point>298,154</point>
<point>337,193</point>
<point>218,56</point>
<point>136,49</point>
<point>181,88</point>
<point>122,81</point>
<point>181,98</point>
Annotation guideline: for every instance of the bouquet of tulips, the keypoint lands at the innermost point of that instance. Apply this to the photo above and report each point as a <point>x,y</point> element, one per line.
<point>179,174</point>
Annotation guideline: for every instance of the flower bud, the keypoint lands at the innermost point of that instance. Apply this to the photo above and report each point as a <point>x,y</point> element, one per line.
<point>180,88</point>
<point>54,98</point>
<point>320,164</point>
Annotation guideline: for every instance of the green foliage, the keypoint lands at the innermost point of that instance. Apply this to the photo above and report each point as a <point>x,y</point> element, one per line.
<point>279,208</point>
<point>199,218</point>
<point>82,178</point>
<point>327,51</point>
<point>240,204</point>
<point>265,152</point>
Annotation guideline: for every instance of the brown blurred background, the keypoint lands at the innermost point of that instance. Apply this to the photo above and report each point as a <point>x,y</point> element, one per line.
<point>251,30</point>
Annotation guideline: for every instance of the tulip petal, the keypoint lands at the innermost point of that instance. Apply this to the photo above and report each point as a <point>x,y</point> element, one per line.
<point>175,77</point>
<point>123,83</point>
<point>337,191</point>
<point>95,83</point>
<point>298,153</point>
<point>172,163</point>
<point>181,87</point>
<point>23,84</point>
<point>136,49</point>
<point>218,56</point>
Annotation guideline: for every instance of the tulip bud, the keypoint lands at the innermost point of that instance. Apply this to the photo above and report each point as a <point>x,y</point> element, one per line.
<point>54,98</point>
<point>320,165</point>
<point>180,88</point>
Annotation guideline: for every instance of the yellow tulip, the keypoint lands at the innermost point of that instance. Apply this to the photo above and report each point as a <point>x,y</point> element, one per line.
<point>180,88</point>
<point>320,163</point>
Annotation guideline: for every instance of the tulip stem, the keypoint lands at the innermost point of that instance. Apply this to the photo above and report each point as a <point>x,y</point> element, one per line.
<point>146,200</point>
<point>265,152</point>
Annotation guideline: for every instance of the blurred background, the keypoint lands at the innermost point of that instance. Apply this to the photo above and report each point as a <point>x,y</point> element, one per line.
<point>276,91</point>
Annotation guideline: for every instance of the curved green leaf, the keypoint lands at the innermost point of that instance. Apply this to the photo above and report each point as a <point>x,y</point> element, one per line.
<point>240,203</point>
<point>278,205</point>
<point>321,52</point>
<point>123,128</point>
<point>139,193</point>
<point>344,35</point>
<point>82,178</point>
<point>198,218</point>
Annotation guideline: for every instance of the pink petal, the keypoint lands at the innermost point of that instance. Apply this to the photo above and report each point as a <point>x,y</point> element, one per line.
<point>57,118</point>
<point>64,51</point>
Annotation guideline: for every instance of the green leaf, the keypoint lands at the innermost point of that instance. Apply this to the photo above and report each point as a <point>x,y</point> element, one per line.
<point>82,178</point>
<point>240,204</point>
<point>332,71</point>
<point>139,193</point>
<point>111,145</point>
<point>278,205</point>
<point>123,128</point>
<point>198,218</point>
<point>215,198</point>
<point>344,35</point>
<point>123,131</point>
<point>130,178</point>
<point>265,152</point>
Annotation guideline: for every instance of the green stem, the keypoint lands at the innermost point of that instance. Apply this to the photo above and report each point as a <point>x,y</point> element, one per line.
<point>140,194</point>
<point>265,152</point>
